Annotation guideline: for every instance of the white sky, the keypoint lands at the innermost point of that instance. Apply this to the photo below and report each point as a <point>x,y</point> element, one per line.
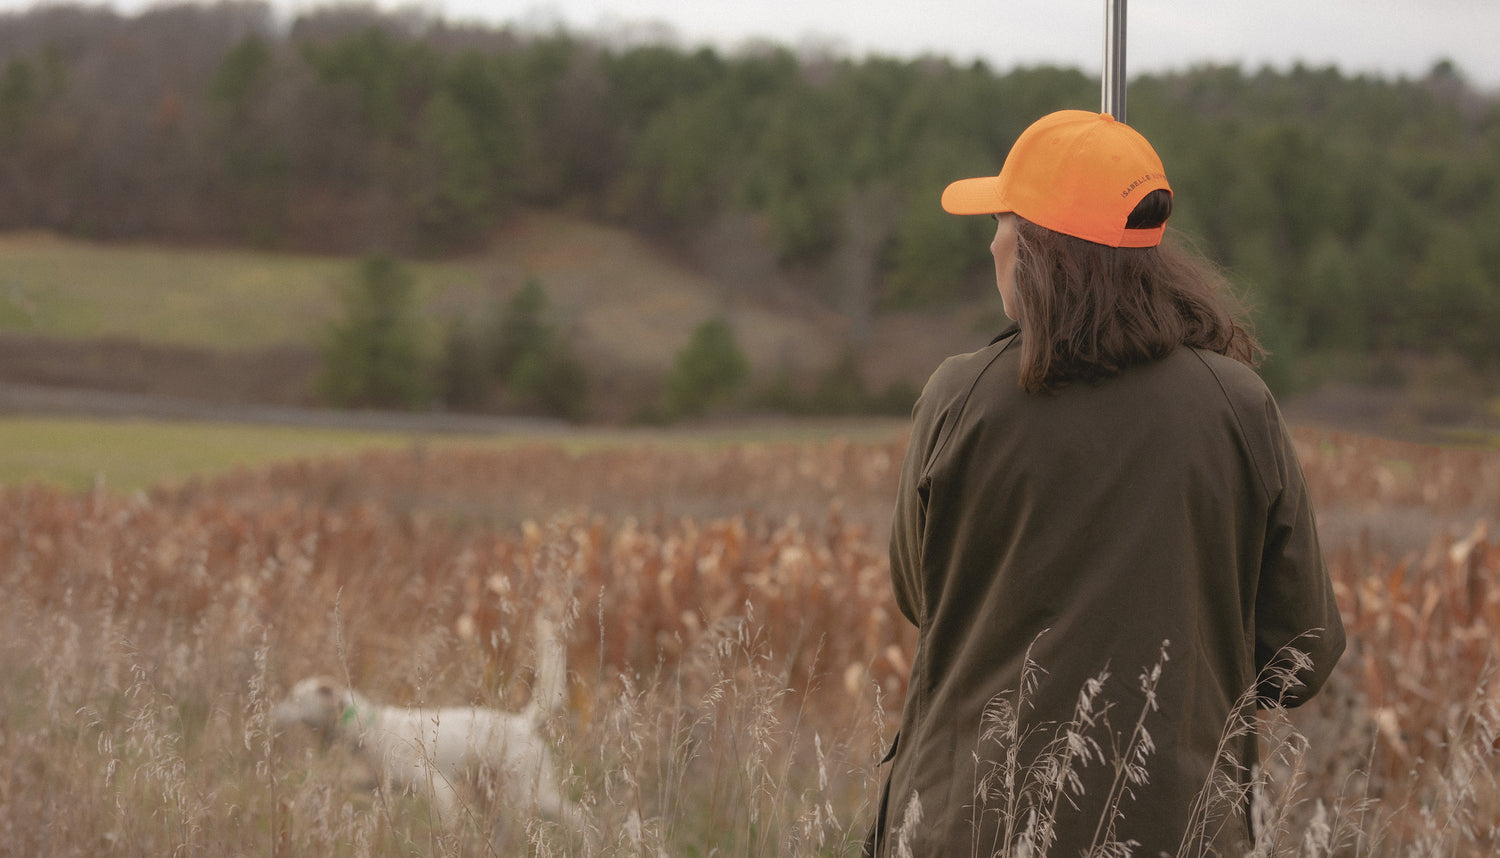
<point>1392,37</point>
<point>1389,37</point>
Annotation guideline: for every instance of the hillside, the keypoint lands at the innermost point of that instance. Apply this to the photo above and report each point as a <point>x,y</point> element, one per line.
<point>1358,215</point>
<point>200,332</point>
<point>241,327</point>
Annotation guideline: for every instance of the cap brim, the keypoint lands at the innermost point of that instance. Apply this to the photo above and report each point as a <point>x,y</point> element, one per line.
<point>974,197</point>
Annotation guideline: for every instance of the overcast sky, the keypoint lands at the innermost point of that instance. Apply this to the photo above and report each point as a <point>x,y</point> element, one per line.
<point>1392,37</point>
<point>1389,37</point>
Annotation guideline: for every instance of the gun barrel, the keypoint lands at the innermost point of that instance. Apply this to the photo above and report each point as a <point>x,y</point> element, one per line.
<point>1114,59</point>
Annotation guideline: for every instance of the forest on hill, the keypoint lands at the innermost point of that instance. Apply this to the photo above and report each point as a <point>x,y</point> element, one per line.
<point>1360,215</point>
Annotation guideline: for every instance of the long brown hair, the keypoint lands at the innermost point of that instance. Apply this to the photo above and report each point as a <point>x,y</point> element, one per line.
<point>1089,311</point>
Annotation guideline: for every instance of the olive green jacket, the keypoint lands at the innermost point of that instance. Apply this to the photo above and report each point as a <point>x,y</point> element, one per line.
<point>1092,528</point>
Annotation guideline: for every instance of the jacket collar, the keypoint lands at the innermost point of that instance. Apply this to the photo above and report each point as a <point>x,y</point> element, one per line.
<point>1011,331</point>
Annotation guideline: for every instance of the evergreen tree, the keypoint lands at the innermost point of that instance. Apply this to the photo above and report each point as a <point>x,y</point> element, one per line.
<point>521,329</point>
<point>463,377</point>
<point>529,355</point>
<point>708,371</point>
<point>373,356</point>
<point>552,380</point>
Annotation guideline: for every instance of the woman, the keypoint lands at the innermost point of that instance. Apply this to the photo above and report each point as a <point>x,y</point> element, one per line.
<point>1106,491</point>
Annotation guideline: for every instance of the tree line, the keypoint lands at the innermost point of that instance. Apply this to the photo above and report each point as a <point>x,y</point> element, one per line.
<point>514,359</point>
<point>1359,214</point>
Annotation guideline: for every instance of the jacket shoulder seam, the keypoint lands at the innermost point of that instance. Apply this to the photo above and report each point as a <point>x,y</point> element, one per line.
<point>962,403</point>
<point>1239,421</point>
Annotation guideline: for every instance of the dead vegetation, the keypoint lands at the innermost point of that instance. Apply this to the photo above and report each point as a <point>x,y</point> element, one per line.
<point>736,657</point>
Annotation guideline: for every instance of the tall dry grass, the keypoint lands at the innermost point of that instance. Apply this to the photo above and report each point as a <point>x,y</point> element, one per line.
<point>736,660</point>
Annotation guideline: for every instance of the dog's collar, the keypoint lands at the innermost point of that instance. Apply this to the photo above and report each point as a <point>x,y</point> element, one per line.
<point>350,713</point>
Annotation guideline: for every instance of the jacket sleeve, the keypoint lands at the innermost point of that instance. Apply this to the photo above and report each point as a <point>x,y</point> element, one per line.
<point>908,522</point>
<point>1299,634</point>
<point>909,518</point>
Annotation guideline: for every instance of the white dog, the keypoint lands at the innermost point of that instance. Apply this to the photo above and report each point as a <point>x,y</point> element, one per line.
<point>436,752</point>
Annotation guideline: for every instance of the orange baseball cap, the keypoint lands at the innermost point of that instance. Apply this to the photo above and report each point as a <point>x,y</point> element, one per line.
<point>1073,172</point>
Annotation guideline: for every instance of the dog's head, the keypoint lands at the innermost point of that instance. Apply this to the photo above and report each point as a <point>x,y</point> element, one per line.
<point>316,702</point>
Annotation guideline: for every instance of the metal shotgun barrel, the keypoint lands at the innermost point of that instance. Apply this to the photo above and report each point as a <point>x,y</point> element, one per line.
<point>1114,59</point>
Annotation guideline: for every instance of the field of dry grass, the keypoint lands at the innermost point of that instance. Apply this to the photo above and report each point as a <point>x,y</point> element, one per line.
<point>736,660</point>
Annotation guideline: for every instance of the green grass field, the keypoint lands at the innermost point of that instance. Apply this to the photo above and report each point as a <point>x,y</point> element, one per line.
<point>136,454</point>
<point>128,455</point>
<point>226,299</point>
